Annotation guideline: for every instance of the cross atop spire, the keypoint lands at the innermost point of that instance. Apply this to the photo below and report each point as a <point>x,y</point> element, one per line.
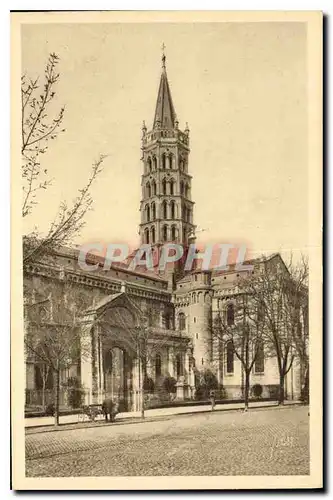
<point>163,55</point>
<point>165,115</point>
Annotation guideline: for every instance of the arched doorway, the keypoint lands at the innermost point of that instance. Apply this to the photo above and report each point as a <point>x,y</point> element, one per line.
<point>118,353</point>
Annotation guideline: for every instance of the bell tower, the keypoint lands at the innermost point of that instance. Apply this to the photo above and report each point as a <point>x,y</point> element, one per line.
<point>166,205</point>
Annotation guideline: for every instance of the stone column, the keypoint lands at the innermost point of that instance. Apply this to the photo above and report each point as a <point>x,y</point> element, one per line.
<point>86,359</point>
<point>180,388</point>
<point>100,369</point>
<point>187,369</point>
<point>171,361</point>
<point>136,385</point>
<point>95,362</point>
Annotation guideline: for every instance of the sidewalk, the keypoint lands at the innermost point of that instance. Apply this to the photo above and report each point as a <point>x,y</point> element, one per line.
<point>157,412</point>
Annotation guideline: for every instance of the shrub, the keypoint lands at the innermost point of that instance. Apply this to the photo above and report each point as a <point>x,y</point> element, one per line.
<point>49,410</point>
<point>221,392</point>
<point>257,390</point>
<point>75,393</point>
<point>169,385</point>
<point>152,401</point>
<point>305,392</point>
<point>148,385</point>
<point>273,391</point>
<point>121,405</point>
<point>205,382</point>
<point>305,396</point>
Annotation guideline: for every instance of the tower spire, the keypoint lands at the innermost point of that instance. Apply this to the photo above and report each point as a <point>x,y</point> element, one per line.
<point>165,115</point>
<point>166,206</point>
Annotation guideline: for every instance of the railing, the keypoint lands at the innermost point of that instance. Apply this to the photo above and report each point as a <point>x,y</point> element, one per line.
<point>38,397</point>
<point>42,398</point>
<point>165,133</point>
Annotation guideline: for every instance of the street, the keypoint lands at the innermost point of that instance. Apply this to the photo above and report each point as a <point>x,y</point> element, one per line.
<point>260,442</point>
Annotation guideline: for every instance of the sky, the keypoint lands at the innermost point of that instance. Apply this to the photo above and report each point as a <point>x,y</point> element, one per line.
<point>242,88</point>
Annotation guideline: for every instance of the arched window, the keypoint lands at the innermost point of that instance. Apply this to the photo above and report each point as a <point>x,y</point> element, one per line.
<point>186,190</point>
<point>172,210</point>
<point>164,210</point>
<point>230,314</point>
<point>259,364</point>
<point>163,161</point>
<point>172,186</point>
<point>188,215</point>
<point>181,187</point>
<point>168,321</point>
<point>149,164</point>
<point>179,365</point>
<point>182,321</point>
<point>153,188</point>
<point>147,208</point>
<point>154,163</point>
<point>158,366</point>
<point>165,233</point>
<point>148,190</point>
<point>164,187</point>
<point>230,357</point>
<point>152,231</point>
<point>173,233</point>
<point>153,211</point>
<point>181,163</point>
<point>146,235</point>
<point>170,160</point>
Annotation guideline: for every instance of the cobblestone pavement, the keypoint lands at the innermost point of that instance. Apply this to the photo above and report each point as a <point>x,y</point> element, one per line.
<point>264,442</point>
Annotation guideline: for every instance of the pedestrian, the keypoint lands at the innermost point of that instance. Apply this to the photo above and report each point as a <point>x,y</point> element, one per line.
<point>212,398</point>
<point>109,407</point>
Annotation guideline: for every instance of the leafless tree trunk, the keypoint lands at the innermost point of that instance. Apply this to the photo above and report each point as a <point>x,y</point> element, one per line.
<point>141,385</point>
<point>44,373</point>
<point>56,396</point>
<point>244,337</point>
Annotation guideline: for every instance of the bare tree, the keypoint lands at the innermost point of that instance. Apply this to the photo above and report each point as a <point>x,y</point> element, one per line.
<point>39,127</point>
<point>296,314</point>
<point>68,222</point>
<point>240,332</point>
<point>44,371</point>
<point>274,289</point>
<point>55,338</point>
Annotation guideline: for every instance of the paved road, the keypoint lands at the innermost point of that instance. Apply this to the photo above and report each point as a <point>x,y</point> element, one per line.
<point>268,441</point>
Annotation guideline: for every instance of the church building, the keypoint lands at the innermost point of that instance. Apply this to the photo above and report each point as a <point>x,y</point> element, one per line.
<point>178,307</point>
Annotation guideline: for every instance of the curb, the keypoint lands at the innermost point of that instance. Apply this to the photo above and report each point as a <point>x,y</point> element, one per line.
<point>138,420</point>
